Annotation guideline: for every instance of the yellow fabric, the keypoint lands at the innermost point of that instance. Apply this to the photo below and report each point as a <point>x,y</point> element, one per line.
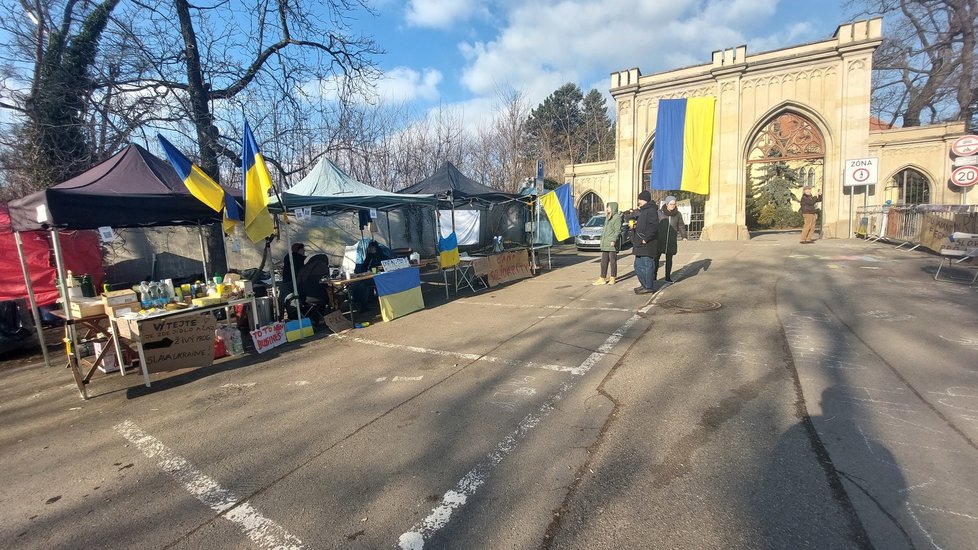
<point>698,144</point>
<point>399,304</point>
<point>258,221</point>
<point>205,189</point>
<point>551,205</point>
<point>449,258</point>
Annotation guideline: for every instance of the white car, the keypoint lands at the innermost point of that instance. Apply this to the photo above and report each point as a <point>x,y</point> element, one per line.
<point>590,236</point>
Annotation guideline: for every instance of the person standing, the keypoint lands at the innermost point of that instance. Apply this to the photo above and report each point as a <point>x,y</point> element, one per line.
<point>645,243</point>
<point>609,245</point>
<point>671,229</point>
<point>809,212</point>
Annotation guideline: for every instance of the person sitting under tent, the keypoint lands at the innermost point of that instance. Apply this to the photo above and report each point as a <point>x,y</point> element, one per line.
<point>363,293</point>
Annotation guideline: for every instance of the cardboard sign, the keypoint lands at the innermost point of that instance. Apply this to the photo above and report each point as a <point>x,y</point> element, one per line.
<point>508,266</point>
<point>176,343</point>
<point>268,337</point>
<point>338,323</point>
<point>935,232</point>
<point>395,264</point>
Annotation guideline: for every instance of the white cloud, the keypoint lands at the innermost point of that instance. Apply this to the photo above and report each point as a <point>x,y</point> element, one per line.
<point>406,84</point>
<point>545,44</point>
<point>441,14</point>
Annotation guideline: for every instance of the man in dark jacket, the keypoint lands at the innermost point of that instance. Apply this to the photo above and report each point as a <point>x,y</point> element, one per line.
<point>645,243</point>
<point>809,212</point>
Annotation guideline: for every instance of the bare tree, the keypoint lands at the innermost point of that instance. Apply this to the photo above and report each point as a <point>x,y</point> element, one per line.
<point>501,152</point>
<point>925,69</point>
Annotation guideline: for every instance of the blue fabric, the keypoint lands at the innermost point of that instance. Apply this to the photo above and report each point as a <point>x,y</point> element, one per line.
<point>446,244</point>
<point>398,281</point>
<point>645,271</point>
<point>667,155</point>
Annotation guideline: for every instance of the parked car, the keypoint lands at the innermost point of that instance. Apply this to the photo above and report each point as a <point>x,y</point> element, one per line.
<point>590,236</point>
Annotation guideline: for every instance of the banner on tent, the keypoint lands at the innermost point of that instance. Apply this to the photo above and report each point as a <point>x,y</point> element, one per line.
<point>466,225</point>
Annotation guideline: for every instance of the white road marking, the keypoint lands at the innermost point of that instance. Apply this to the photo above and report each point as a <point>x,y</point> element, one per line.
<point>534,306</point>
<point>477,476</point>
<point>467,356</point>
<point>262,531</point>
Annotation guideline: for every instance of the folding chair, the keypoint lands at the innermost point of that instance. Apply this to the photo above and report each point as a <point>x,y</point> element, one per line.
<point>961,258</point>
<point>466,276</point>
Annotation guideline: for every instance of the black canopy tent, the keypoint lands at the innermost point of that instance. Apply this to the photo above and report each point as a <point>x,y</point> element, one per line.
<point>133,188</point>
<point>456,191</point>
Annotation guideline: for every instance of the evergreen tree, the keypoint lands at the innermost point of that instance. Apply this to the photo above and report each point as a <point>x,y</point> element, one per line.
<point>769,196</point>
<point>599,131</point>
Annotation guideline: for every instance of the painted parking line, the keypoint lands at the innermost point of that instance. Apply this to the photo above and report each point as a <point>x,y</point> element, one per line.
<point>470,483</point>
<point>532,306</point>
<point>466,356</point>
<point>262,531</point>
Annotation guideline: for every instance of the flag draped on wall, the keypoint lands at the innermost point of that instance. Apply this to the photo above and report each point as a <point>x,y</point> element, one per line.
<point>683,145</point>
<point>202,186</point>
<point>399,292</point>
<point>256,184</point>
<point>559,206</point>
<point>448,250</point>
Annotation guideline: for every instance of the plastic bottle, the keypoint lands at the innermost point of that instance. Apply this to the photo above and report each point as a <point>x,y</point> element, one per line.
<point>145,299</point>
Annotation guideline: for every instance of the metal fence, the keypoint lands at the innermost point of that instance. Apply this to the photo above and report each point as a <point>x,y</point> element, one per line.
<point>901,224</point>
<point>695,225</point>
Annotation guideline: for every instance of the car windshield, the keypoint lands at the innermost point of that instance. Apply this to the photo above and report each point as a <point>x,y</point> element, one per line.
<point>595,221</point>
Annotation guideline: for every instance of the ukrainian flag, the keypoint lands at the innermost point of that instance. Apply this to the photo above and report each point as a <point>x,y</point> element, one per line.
<point>683,145</point>
<point>559,206</point>
<point>201,186</point>
<point>448,250</point>
<point>256,183</point>
<point>399,292</point>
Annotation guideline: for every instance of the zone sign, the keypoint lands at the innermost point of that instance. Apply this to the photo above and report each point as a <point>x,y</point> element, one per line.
<point>861,172</point>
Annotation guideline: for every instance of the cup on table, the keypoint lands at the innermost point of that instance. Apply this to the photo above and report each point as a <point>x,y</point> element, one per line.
<point>373,270</point>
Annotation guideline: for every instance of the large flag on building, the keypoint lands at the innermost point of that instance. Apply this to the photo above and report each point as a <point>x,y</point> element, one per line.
<point>448,250</point>
<point>559,206</point>
<point>399,292</point>
<point>683,145</point>
<point>256,183</point>
<point>202,186</point>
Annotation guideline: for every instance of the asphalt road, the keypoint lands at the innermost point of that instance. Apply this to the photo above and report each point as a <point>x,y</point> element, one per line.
<point>778,395</point>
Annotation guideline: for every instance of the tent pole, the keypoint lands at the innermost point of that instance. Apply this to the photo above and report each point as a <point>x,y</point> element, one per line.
<point>30,296</point>
<point>203,249</point>
<point>72,352</point>
<point>295,284</point>
<point>390,236</point>
<point>271,269</point>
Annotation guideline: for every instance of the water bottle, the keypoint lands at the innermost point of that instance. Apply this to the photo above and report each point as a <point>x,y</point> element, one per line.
<point>145,299</point>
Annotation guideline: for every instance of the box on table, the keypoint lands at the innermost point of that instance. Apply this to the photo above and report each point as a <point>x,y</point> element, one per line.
<point>247,287</point>
<point>293,332</point>
<point>117,297</point>
<point>208,301</point>
<point>86,307</point>
<point>116,310</point>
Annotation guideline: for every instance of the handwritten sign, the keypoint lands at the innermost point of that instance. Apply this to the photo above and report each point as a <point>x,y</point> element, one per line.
<point>508,266</point>
<point>395,264</point>
<point>268,337</point>
<point>935,232</point>
<point>174,343</point>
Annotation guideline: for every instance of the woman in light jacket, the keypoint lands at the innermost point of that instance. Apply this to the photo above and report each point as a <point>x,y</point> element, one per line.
<point>609,244</point>
<point>671,229</point>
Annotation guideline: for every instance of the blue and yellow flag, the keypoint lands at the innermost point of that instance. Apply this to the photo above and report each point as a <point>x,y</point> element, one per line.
<point>448,250</point>
<point>683,145</point>
<point>559,206</point>
<point>399,292</point>
<point>255,183</point>
<point>202,186</point>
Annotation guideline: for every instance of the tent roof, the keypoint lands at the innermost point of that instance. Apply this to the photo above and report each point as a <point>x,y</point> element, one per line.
<point>133,188</point>
<point>448,181</point>
<point>328,189</point>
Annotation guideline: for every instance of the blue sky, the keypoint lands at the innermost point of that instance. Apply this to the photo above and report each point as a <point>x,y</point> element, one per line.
<point>458,53</point>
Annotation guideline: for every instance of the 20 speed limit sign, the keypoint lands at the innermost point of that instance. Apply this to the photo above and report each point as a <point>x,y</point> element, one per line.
<point>965,176</point>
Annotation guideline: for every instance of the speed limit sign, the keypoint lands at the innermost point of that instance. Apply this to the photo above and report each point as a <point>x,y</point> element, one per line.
<point>965,176</point>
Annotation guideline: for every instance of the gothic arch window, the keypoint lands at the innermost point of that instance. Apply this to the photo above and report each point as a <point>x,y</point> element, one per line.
<point>912,186</point>
<point>589,205</point>
<point>787,137</point>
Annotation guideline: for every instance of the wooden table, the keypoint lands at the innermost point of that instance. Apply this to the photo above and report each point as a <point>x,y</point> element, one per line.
<point>95,327</point>
<point>337,285</point>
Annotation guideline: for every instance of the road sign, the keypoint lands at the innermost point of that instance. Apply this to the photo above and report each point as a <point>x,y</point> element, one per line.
<point>539,177</point>
<point>966,161</point>
<point>965,176</point>
<point>965,145</point>
<point>861,172</point>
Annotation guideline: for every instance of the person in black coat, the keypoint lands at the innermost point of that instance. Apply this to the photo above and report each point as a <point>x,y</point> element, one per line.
<point>671,229</point>
<point>645,243</point>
